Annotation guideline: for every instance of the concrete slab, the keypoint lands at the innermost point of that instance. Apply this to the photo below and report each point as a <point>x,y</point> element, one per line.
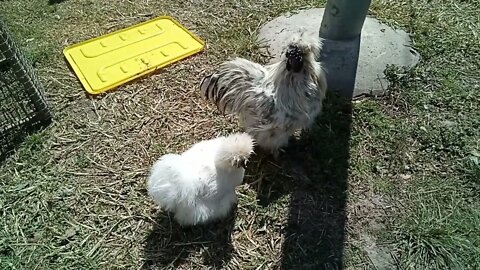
<point>355,67</point>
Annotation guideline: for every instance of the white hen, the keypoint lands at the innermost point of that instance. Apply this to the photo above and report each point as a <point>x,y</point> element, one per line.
<point>199,185</point>
<point>272,101</point>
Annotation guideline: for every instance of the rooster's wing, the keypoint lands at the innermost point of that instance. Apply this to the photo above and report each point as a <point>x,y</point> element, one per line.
<point>239,86</point>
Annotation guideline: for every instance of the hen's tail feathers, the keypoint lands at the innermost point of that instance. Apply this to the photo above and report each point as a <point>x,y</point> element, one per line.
<point>235,150</point>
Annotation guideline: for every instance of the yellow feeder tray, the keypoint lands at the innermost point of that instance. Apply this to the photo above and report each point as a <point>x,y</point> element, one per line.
<point>108,61</point>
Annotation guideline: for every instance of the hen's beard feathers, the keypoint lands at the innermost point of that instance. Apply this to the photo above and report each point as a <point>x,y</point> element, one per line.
<point>271,101</point>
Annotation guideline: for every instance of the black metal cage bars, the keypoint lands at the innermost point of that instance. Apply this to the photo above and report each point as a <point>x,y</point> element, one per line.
<point>23,108</point>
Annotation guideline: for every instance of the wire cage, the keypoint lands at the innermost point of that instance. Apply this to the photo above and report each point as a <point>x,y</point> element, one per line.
<point>23,108</point>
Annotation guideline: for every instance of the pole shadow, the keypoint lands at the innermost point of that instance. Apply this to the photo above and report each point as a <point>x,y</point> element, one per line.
<point>316,166</point>
<point>315,232</point>
<point>314,170</point>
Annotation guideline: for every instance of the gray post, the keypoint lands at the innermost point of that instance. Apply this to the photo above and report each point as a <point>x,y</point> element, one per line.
<point>343,19</point>
<point>340,31</point>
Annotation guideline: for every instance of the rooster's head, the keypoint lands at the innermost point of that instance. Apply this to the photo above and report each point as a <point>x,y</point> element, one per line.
<point>301,50</point>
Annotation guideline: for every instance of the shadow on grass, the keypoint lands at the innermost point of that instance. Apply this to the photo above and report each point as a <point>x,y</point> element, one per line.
<point>53,2</point>
<point>314,169</point>
<point>169,246</point>
<point>12,139</point>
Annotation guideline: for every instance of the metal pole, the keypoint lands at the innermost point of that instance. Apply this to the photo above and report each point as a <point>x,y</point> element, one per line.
<point>343,19</point>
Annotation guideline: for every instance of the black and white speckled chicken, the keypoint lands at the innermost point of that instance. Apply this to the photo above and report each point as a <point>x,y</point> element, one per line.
<point>273,101</point>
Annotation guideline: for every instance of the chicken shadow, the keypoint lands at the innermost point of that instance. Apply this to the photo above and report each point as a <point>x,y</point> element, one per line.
<point>314,170</point>
<point>169,245</point>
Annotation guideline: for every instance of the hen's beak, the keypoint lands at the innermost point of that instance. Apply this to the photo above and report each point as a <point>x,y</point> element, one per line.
<point>244,164</point>
<point>241,164</point>
<point>294,58</point>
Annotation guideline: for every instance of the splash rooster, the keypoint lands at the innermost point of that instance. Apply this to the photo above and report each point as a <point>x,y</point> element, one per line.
<point>273,101</point>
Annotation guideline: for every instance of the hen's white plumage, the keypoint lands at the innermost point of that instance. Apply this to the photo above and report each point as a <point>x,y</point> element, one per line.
<point>272,101</point>
<point>199,185</point>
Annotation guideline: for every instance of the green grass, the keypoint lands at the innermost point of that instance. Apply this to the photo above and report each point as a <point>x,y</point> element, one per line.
<point>391,182</point>
<point>439,228</point>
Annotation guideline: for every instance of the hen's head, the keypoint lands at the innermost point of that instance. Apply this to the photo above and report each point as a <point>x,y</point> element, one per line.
<point>301,50</point>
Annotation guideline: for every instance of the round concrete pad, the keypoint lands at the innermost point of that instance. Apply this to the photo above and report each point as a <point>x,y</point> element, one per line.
<point>354,67</point>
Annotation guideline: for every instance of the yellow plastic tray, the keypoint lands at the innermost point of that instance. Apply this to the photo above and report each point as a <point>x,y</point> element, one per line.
<point>108,61</point>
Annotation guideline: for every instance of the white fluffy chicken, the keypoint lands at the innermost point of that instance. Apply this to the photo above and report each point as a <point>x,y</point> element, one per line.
<point>272,101</point>
<point>199,184</point>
